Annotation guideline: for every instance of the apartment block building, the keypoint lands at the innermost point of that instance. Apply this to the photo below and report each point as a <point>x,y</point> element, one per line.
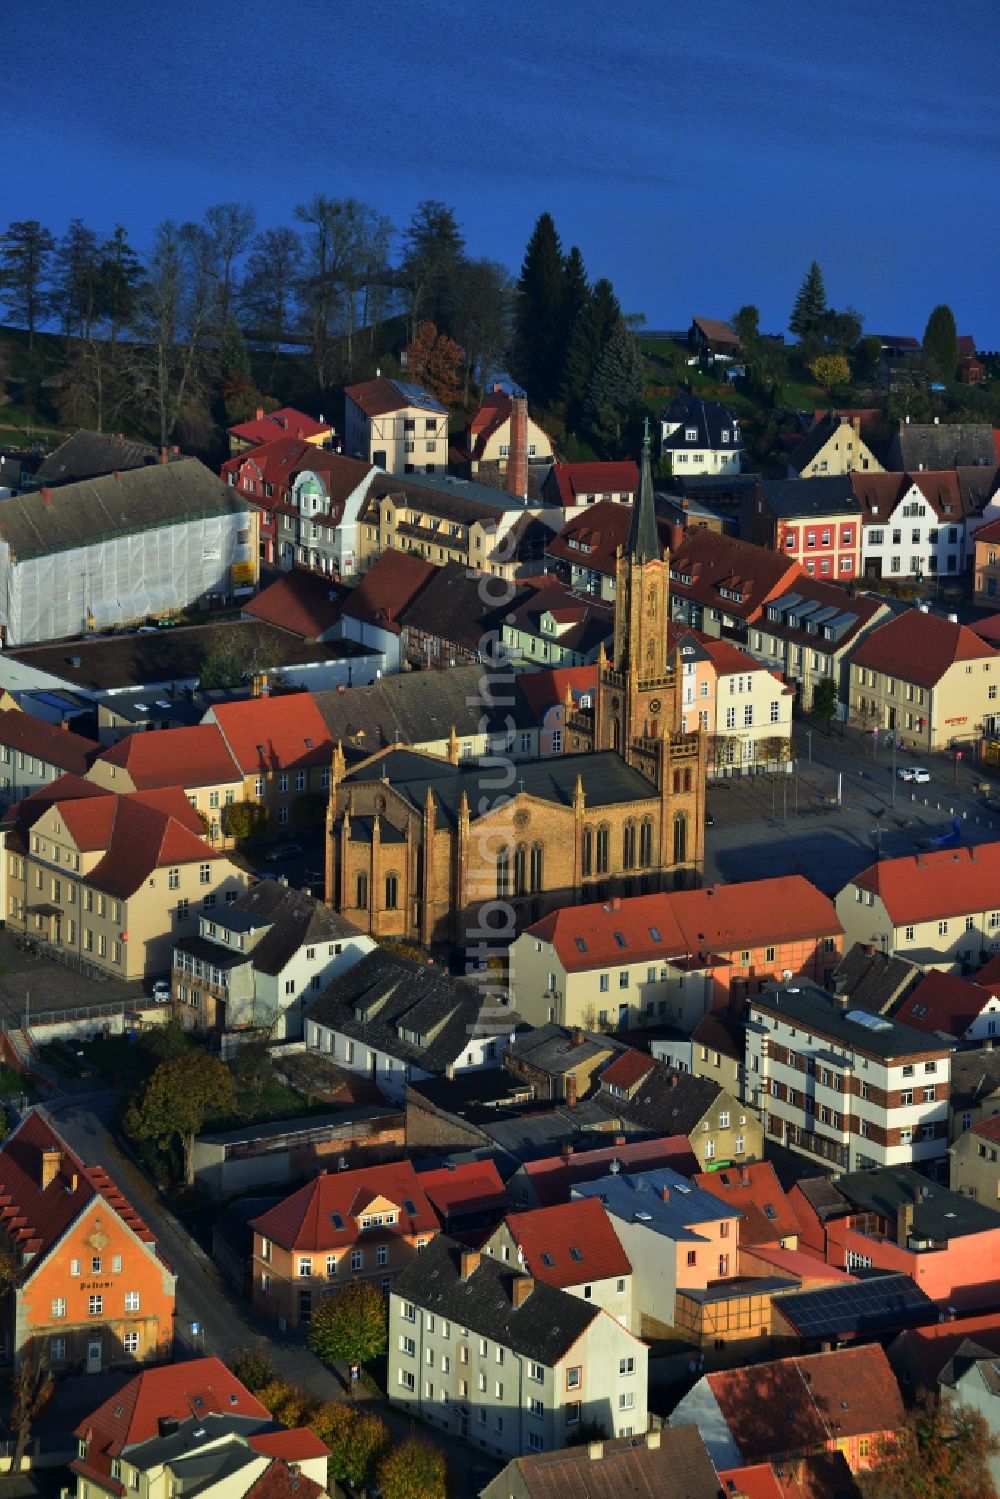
<point>34,753</point>
<point>850,1088</point>
<point>283,750</point>
<point>343,1228</point>
<point>491,1354</point>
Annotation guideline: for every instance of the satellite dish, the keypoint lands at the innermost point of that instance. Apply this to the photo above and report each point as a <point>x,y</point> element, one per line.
<point>615,1167</point>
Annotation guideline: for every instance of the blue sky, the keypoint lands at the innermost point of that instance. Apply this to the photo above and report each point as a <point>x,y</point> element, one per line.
<point>700,156</point>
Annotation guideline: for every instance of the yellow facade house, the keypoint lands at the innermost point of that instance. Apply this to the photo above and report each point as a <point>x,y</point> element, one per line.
<point>111,879</point>
<point>196,758</point>
<point>929,680</point>
<point>400,428</point>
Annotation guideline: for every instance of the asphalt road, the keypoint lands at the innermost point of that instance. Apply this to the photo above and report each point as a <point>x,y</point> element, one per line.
<point>204,1297</point>
<point>775,825</point>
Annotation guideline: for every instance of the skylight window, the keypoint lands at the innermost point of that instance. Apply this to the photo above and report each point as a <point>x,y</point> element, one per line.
<point>654,932</point>
<point>338,1221</point>
<point>548,1260</point>
<point>575,1254</point>
<point>409,1206</point>
<point>581,945</point>
<point>620,939</point>
<point>769,1211</point>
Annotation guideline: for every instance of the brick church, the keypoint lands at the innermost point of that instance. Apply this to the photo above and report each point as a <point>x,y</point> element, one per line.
<point>430,851</point>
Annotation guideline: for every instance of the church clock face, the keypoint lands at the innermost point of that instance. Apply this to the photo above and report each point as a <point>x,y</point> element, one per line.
<point>654,706</point>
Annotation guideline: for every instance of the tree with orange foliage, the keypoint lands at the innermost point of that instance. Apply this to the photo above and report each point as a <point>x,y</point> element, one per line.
<point>434,360</point>
<point>941,1451</point>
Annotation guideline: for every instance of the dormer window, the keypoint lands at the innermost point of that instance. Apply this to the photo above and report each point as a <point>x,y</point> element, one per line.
<point>690,434</point>
<point>724,434</point>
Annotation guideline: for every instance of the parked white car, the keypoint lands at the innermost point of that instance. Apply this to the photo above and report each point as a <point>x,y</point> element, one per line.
<point>914,773</point>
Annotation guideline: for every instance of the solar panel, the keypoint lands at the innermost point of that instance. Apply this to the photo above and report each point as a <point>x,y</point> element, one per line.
<point>416,396</point>
<point>870,1022</point>
<point>859,1306</point>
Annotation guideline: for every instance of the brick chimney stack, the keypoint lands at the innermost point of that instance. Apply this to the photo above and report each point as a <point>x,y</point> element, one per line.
<point>517,452</point>
<point>51,1161</point>
<point>522,1289</point>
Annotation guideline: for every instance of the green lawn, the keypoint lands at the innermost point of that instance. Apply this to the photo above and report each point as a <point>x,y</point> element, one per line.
<point>12,1082</point>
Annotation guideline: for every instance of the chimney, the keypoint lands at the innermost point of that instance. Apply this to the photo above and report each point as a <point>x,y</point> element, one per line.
<point>576,1037</point>
<point>856,424</point>
<point>619,1141</point>
<point>74,1182</point>
<point>517,452</point>
<point>571,1086</point>
<point>175,450</point>
<point>673,1080</point>
<point>665,1193</point>
<point>64,724</point>
<point>117,475</point>
<point>51,1161</point>
<point>470,1262</point>
<point>652,1441</point>
<point>164,456</point>
<point>676,537</point>
<point>595,1451</point>
<point>567,1151</point>
<point>904,1223</point>
<point>521,1290</point>
<point>47,495</point>
<point>260,414</point>
<point>615,903</point>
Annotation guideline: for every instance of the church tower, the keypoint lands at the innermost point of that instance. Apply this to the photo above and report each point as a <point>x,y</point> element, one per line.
<point>638,696</point>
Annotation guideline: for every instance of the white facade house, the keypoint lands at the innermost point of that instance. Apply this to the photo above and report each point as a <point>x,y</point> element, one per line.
<point>493,1356</point>
<point>395,1022</point>
<point>700,437</point>
<point>915,538</point>
<point>573,1247</point>
<point>853,1089</point>
<point>325,535</point>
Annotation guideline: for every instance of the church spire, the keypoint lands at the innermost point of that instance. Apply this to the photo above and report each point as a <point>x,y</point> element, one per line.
<point>643,539</point>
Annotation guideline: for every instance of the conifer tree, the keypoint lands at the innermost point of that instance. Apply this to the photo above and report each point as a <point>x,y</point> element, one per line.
<point>810,304</point>
<point>538,313</point>
<point>941,344</point>
<point>616,386</point>
<point>593,328</point>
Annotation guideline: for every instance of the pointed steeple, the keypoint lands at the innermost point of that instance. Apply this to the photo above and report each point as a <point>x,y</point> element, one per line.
<point>643,541</point>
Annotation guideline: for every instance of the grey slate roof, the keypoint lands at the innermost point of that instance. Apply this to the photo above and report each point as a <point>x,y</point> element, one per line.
<point>643,543</point>
<point>453,607</point>
<point>294,918</point>
<point>820,1013</point>
<point>606,779</point>
<point>638,1197</point>
<point>709,418</point>
<point>93,510</point>
<point>826,495</point>
<point>938,1213</point>
<point>721,1032</point>
<point>385,994</point>
<point>543,1328</point>
<point>552,1048</point>
<point>417,707</point>
<point>87,455</point>
<point>932,446</point>
<point>667,1102</point>
<point>975,1075</point>
<point>873,980</point>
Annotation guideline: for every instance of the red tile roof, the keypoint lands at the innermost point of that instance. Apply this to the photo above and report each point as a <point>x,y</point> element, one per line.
<point>35,1218</point>
<point>799,1404</point>
<point>748,574</point>
<point>138,831</point>
<point>553,1177</point>
<point>294,1444</point>
<point>729,660</point>
<point>768,1216</point>
<point>285,422</point>
<point>46,741</point>
<point>719,918</point>
<point>376,397</point>
<point>991,532</point>
<point>627,1070</point>
<point>933,886</point>
<point>799,1263</point>
<point>275,733</point>
<point>195,756</point>
<point>302,602</point>
<point>717,330</point>
<point>278,1481</point>
<point>943,1002</point>
<point>988,977</point>
<point>388,588</point>
<point>202,1385</point>
<point>758,1481</point>
<point>592,538</point>
<point>931,1347</point>
<point>542,690</point>
<point>565,1245</point>
<point>920,648</point>
<point>305,1219</point>
<point>571,480</point>
<point>464,1188</point>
